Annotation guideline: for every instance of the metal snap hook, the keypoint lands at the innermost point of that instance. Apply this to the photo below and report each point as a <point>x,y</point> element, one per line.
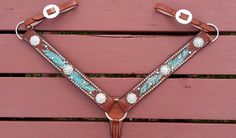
<point>217,31</point>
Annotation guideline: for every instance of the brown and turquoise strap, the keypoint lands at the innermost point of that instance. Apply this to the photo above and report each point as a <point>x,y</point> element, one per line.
<point>164,70</point>
<point>64,66</point>
<point>116,108</point>
<point>174,62</point>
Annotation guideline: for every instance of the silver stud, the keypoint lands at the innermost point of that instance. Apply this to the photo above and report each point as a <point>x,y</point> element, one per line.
<point>198,42</point>
<point>131,98</point>
<point>100,98</point>
<point>165,70</point>
<point>34,40</point>
<point>68,69</point>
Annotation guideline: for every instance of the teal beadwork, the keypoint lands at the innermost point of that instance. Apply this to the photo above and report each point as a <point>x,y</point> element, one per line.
<point>79,81</point>
<point>55,58</point>
<point>153,80</point>
<point>179,60</point>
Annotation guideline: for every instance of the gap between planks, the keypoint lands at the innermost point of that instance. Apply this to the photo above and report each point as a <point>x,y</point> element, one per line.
<point>103,75</point>
<point>47,119</point>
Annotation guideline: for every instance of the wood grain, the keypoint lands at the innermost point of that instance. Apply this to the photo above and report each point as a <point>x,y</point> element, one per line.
<point>134,54</point>
<point>101,130</point>
<point>175,99</point>
<point>116,15</point>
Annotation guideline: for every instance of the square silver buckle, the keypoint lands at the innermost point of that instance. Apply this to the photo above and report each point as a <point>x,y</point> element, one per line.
<point>182,21</point>
<point>51,16</point>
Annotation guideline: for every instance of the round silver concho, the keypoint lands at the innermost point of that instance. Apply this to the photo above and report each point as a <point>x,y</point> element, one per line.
<point>34,40</point>
<point>100,98</point>
<point>68,69</point>
<point>131,98</point>
<point>198,42</point>
<point>165,70</point>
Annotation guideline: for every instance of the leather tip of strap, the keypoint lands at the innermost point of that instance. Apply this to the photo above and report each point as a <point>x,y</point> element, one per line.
<point>115,129</point>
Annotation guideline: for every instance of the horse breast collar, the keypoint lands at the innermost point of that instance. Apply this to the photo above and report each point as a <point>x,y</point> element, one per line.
<point>116,109</point>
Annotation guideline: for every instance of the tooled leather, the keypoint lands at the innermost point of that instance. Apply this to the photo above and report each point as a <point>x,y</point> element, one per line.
<point>171,12</point>
<point>127,106</point>
<point>35,20</point>
<point>109,101</point>
<point>117,109</point>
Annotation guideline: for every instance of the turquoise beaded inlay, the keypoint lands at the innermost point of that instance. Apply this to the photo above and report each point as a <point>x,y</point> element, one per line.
<point>173,64</point>
<point>75,76</point>
<point>56,59</point>
<point>179,60</point>
<point>78,80</point>
<point>153,80</point>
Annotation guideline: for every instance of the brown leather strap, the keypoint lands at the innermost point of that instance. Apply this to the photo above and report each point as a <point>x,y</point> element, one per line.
<point>195,22</point>
<point>156,77</point>
<point>38,18</point>
<point>116,109</point>
<point>64,66</point>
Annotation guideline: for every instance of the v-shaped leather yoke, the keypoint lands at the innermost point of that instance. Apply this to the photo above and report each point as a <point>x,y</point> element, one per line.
<point>116,109</point>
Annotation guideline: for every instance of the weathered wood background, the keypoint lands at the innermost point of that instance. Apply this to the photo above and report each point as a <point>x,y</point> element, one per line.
<point>121,42</point>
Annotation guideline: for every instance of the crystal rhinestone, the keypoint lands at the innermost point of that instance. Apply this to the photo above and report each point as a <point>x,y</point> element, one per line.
<point>198,42</point>
<point>165,70</point>
<point>34,40</point>
<point>100,98</point>
<point>68,69</point>
<point>131,98</point>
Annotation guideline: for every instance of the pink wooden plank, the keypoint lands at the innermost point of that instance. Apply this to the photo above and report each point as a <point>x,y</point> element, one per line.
<point>175,99</point>
<point>101,130</point>
<point>125,15</point>
<point>140,54</point>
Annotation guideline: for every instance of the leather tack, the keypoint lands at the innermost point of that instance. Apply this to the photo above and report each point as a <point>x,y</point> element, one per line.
<point>116,108</point>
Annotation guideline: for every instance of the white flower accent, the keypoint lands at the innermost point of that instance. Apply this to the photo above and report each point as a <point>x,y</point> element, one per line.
<point>198,42</point>
<point>68,69</point>
<point>100,98</point>
<point>34,40</point>
<point>165,70</point>
<point>131,98</point>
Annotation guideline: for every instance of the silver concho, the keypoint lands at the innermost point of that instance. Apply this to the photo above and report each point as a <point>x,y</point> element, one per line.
<point>34,40</point>
<point>68,69</point>
<point>100,98</point>
<point>198,42</point>
<point>165,70</point>
<point>131,98</point>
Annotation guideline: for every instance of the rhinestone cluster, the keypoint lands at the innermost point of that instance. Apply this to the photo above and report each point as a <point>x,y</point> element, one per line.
<point>198,42</point>
<point>34,40</point>
<point>165,70</point>
<point>68,69</point>
<point>100,98</point>
<point>131,98</point>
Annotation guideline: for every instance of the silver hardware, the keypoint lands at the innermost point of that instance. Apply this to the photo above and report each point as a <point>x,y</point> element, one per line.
<point>217,31</point>
<point>131,98</point>
<point>34,40</point>
<point>51,16</point>
<point>68,69</point>
<point>183,11</point>
<point>16,29</point>
<point>198,42</point>
<point>100,98</point>
<point>165,70</point>
<point>121,119</point>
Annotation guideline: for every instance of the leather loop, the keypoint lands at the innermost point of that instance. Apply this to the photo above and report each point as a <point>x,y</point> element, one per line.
<point>35,20</point>
<point>195,22</point>
<point>116,115</point>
